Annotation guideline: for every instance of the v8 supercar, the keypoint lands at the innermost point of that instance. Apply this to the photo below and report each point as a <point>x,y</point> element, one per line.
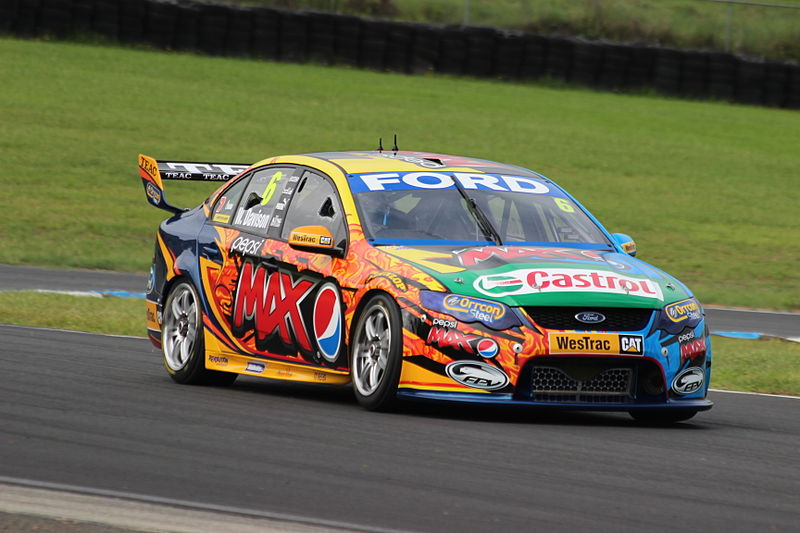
<point>419,276</point>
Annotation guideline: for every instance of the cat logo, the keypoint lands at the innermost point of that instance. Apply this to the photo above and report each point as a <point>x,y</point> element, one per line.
<point>630,344</point>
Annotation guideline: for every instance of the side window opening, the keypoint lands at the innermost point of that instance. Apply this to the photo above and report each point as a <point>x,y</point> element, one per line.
<point>226,203</point>
<point>255,211</point>
<point>327,209</point>
<point>315,203</point>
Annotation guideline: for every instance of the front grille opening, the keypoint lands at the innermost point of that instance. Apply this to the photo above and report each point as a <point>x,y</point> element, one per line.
<point>611,385</point>
<point>591,381</point>
<point>617,318</point>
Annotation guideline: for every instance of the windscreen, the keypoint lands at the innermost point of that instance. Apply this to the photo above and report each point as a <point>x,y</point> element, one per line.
<point>434,208</point>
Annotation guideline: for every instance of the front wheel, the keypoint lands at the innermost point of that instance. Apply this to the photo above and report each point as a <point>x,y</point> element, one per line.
<point>376,353</point>
<point>182,340</point>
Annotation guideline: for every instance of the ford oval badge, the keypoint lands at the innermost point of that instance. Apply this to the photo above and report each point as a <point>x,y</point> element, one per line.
<point>590,317</point>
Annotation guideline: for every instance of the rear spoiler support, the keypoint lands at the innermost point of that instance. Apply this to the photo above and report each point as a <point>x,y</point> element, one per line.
<point>153,172</point>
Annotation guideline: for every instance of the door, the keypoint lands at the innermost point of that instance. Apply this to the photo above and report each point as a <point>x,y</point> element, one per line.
<point>269,301</point>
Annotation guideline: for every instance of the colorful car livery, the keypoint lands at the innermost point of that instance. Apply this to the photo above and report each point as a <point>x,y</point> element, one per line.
<point>417,276</point>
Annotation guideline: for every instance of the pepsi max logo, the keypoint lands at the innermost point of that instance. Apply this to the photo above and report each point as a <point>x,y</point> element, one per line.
<point>328,321</point>
<point>487,348</point>
<point>590,317</point>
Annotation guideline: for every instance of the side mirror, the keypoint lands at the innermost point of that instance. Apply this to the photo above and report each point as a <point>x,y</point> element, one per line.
<point>314,239</point>
<point>626,243</point>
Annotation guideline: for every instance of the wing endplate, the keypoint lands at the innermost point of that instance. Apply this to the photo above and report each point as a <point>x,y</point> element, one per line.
<point>153,172</point>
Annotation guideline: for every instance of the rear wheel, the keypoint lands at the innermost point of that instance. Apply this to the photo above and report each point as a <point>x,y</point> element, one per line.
<point>182,340</point>
<point>376,353</point>
<point>658,417</point>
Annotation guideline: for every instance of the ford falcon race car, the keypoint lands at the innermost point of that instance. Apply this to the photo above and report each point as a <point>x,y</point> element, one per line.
<point>417,276</point>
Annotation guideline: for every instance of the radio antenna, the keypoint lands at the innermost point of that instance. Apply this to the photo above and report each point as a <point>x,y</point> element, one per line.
<point>394,148</point>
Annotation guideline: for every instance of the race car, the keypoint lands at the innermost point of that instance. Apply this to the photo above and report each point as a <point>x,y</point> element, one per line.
<point>415,275</point>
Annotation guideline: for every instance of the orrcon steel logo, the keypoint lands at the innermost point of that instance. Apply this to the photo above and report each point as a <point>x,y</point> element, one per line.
<point>477,374</point>
<point>683,310</point>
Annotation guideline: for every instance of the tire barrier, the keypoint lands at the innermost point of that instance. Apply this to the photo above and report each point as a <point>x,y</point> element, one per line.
<point>558,57</point>
<point>508,55</point>
<point>617,63</point>
<point>186,23</point>
<point>481,44</point>
<point>413,48</point>
<point>56,17</point>
<point>534,57</point>
<point>266,28</point>
<point>346,40</point>
<point>374,44</point>
<point>160,27</point>
<point>132,16</point>
<point>452,50</point>
<point>424,49</point>
<point>321,37</point>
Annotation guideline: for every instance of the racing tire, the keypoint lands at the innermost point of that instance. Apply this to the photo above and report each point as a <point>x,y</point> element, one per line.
<point>182,342</point>
<point>376,354</point>
<point>662,418</point>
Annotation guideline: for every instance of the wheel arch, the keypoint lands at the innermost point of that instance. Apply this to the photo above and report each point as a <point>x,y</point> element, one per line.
<point>359,309</point>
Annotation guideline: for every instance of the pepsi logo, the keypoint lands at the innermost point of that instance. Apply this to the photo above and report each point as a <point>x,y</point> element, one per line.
<point>328,321</point>
<point>487,348</point>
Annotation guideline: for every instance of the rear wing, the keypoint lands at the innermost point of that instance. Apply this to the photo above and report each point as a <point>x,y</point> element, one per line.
<point>153,172</point>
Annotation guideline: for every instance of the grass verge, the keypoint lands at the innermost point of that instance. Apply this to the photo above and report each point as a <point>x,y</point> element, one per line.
<point>769,366</point>
<point>116,316</point>
<point>708,190</point>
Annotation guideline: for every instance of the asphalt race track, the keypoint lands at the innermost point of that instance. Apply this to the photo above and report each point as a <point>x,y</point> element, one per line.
<point>99,412</point>
<point>785,325</point>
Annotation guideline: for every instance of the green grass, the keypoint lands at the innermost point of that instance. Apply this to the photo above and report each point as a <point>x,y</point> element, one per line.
<point>769,31</point>
<point>115,316</point>
<point>708,190</point>
<point>769,366</point>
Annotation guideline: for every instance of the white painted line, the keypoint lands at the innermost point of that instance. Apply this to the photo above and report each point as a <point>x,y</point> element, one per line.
<point>756,394</point>
<point>72,331</point>
<point>152,513</point>
<point>761,311</point>
<point>91,294</point>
